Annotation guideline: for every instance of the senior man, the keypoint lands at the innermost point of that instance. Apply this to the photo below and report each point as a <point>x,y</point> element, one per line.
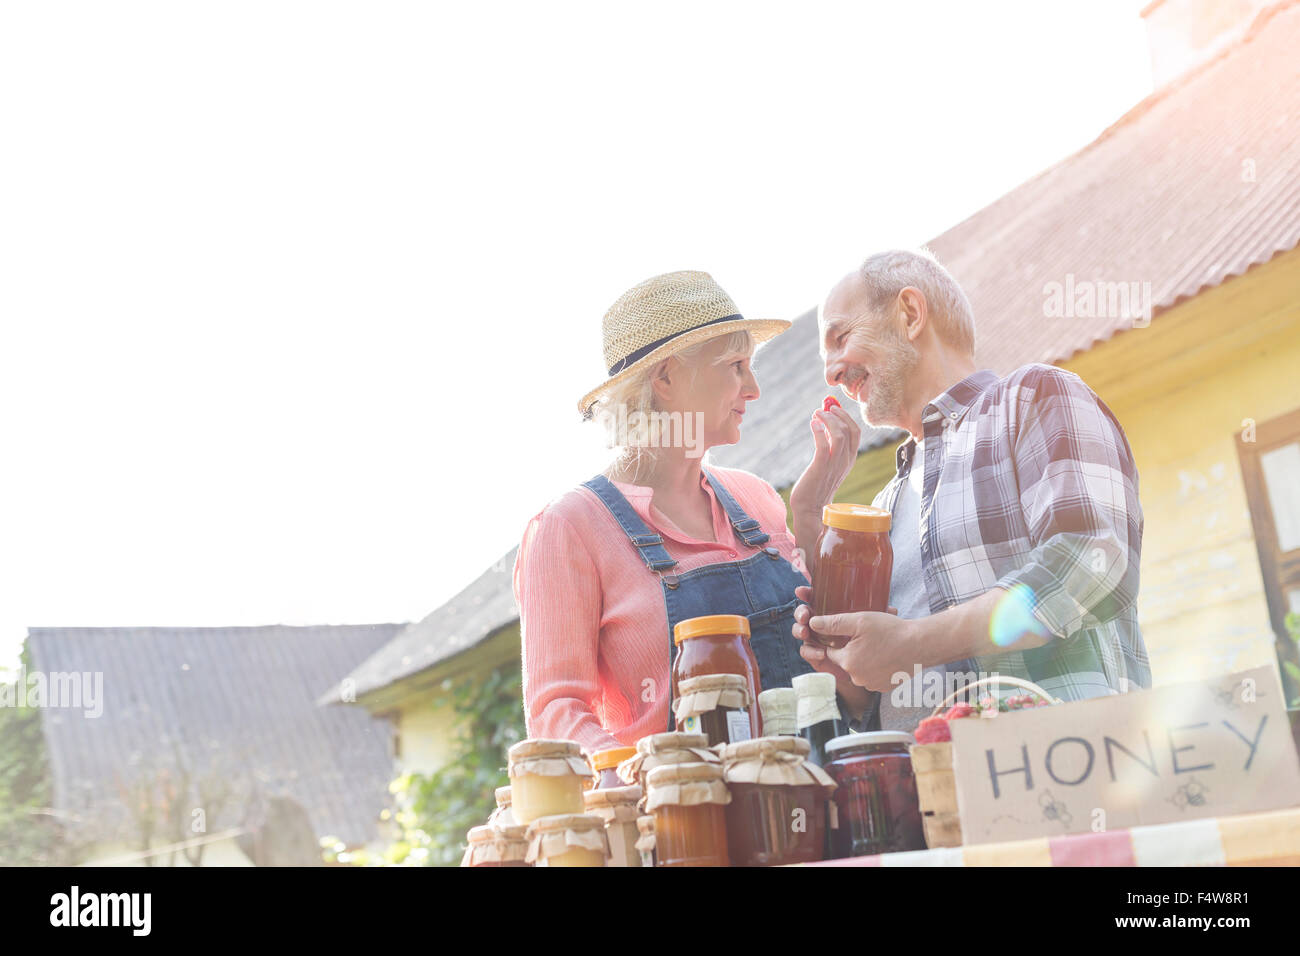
<point>1017,529</point>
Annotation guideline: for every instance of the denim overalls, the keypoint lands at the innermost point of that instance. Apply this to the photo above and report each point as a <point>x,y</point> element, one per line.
<point>760,588</point>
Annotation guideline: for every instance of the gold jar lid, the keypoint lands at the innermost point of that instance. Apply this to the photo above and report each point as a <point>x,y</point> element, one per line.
<point>847,517</point>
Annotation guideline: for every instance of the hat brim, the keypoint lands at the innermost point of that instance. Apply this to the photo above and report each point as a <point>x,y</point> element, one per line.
<point>762,330</point>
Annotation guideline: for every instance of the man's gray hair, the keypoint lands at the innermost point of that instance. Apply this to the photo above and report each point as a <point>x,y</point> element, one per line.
<point>888,273</point>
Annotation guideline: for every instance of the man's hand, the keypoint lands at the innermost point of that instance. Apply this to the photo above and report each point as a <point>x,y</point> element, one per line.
<point>856,697</point>
<point>879,646</point>
<point>835,439</point>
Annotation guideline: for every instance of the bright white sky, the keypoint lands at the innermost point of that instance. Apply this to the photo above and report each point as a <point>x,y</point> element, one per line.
<point>298,298</point>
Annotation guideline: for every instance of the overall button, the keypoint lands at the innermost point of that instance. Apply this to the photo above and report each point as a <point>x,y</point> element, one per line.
<point>772,552</point>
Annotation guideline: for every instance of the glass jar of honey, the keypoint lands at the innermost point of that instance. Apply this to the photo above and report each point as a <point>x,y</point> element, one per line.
<point>497,846</point>
<point>689,802</point>
<point>657,750</point>
<point>716,705</point>
<point>568,839</point>
<point>854,564</point>
<point>777,812</point>
<point>876,796</point>
<point>605,763</point>
<point>779,708</point>
<point>717,644</point>
<point>617,806</point>
<point>547,777</point>
<point>502,815</point>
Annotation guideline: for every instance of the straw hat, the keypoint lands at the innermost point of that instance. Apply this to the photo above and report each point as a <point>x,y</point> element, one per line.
<point>661,316</point>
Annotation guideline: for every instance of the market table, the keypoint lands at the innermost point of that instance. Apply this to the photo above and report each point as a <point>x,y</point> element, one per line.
<point>1271,838</point>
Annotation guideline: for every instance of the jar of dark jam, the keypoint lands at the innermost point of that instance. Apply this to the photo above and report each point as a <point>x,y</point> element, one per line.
<point>876,797</point>
<point>854,563</point>
<point>777,813</point>
<point>717,644</point>
<point>716,705</point>
<point>605,764</point>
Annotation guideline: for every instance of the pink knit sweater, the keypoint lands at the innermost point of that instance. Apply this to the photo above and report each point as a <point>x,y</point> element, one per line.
<point>595,629</point>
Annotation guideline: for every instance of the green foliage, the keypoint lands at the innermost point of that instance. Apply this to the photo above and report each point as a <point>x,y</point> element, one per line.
<point>438,808</point>
<point>29,834</point>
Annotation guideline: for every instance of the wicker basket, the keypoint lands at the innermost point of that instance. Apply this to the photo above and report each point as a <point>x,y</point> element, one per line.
<point>936,784</point>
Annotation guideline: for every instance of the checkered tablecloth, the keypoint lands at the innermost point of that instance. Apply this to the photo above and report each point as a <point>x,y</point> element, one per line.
<point>1251,839</point>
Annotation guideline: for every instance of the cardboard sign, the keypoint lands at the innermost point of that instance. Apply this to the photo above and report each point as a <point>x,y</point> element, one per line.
<point>1205,749</point>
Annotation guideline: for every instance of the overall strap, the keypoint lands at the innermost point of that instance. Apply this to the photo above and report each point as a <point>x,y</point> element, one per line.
<point>745,526</point>
<point>647,542</point>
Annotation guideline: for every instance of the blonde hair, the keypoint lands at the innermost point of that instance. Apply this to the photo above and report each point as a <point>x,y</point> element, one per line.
<point>637,395</point>
<point>888,273</point>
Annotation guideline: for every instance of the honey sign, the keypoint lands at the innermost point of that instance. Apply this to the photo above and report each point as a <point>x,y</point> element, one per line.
<point>1205,749</point>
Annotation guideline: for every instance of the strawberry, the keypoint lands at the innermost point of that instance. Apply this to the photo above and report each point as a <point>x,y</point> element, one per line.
<point>830,402</point>
<point>933,730</point>
<point>959,710</point>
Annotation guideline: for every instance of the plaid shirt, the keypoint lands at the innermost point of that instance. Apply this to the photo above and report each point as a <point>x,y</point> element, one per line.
<point>1030,485</point>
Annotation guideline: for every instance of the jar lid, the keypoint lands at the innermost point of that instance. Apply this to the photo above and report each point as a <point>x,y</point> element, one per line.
<point>611,758</point>
<point>774,762</point>
<point>849,517</point>
<point>540,747</point>
<point>612,797</point>
<point>778,702</point>
<point>568,821</point>
<point>671,740</point>
<point>490,834</point>
<point>748,749</point>
<point>502,795</point>
<point>706,682</point>
<point>710,624</point>
<point>548,758</point>
<point>816,684</point>
<point>671,773</point>
<point>686,785</point>
<point>873,738</point>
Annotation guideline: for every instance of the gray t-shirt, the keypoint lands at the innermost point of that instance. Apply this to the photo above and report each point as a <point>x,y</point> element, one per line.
<point>907,593</point>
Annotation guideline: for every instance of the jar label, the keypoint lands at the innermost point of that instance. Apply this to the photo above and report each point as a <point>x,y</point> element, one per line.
<point>691,725</point>
<point>738,726</point>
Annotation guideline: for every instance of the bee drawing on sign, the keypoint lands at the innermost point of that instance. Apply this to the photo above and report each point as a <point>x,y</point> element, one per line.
<point>1190,794</point>
<point>1054,810</point>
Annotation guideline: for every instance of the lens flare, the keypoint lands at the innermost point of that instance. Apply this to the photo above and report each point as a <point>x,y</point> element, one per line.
<point>1013,617</point>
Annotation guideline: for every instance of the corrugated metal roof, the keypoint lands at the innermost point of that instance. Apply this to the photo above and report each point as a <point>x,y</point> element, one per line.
<point>232,704</point>
<point>1164,196</point>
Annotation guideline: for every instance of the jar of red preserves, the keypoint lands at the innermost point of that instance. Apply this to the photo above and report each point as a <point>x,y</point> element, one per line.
<point>717,644</point>
<point>875,797</point>
<point>777,813</point>
<point>854,563</point>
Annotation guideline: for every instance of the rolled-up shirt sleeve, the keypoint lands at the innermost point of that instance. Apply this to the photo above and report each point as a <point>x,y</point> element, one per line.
<point>557,587</point>
<point>1079,493</point>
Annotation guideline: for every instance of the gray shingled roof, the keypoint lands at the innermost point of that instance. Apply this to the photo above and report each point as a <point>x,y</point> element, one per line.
<point>473,615</point>
<point>1158,197</point>
<point>238,704</point>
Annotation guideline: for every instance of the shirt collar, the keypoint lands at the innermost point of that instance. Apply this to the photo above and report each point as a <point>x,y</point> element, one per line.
<point>952,405</point>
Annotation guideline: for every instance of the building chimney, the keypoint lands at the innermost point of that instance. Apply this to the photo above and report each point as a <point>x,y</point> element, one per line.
<point>1182,34</point>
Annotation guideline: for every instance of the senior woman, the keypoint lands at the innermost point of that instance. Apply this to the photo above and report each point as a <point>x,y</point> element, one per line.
<point>606,570</point>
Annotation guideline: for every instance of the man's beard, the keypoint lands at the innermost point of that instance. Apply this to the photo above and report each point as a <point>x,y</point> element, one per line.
<point>885,399</point>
